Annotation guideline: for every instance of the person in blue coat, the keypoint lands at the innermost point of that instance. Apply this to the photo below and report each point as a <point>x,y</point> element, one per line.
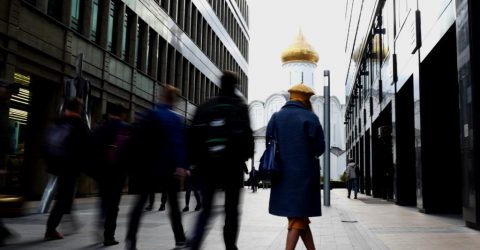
<point>295,191</point>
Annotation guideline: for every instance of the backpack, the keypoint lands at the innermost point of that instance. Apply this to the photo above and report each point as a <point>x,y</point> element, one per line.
<point>57,140</point>
<point>57,143</point>
<point>225,133</point>
<point>115,148</point>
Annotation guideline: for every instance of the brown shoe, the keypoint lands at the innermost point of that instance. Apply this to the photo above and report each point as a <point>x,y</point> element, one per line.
<point>53,235</point>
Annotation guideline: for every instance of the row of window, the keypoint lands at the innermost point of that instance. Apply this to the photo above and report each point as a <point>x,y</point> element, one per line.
<point>243,6</point>
<point>191,21</point>
<point>132,40</point>
<point>228,20</point>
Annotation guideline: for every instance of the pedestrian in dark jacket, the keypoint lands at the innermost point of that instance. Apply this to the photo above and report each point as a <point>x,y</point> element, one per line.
<point>164,160</point>
<point>353,173</point>
<point>253,179</point>
<point>69,166</point>
<point>295,191</point>
<point>191,185</point>
<point>109,140</point>
<point>220,142</point>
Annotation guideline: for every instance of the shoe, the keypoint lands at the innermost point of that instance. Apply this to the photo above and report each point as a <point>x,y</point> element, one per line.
<point>162,207</point>
<point>185,209</point>
<point>198,207</point>
<point>110,242</point>
<point>149,208</point>
<point>53,235</point>
<point>181,245</point>
<point>129,245</point>
<point>4,235</point>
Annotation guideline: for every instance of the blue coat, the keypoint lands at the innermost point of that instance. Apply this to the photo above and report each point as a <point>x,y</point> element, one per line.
<point>296,189</point>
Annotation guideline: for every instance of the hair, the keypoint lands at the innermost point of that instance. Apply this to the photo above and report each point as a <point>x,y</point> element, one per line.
<point>228,82</point>
<point>74,105</point>
<point>117,109</point>
<point>170,94</point>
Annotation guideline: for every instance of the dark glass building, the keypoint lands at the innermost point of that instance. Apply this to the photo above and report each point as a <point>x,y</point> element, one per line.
<point>130,48</point>
<point>412,102</point>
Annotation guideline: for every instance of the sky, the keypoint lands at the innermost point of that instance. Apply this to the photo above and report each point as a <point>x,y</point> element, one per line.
<point>274,24</point>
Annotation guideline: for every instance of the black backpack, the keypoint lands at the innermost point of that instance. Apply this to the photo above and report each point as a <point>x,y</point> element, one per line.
<point>225,132</point>
<point>57,145</point>
<point>115,148</point>
<point>57,140</point>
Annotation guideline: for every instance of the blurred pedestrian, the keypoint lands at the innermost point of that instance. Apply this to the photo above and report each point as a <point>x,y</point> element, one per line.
<point>6,91</point>
<point>163,156</point>
<point>66,154</point>
<point>151,201</point>
<point>352,178</point>
<point>253,180</point>
<point>191,186</point>
<point>109,141</point>
<point>295,191</point>
<point>221,141</point>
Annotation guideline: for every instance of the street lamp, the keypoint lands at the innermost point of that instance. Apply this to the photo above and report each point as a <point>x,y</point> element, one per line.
<point>326,124</point>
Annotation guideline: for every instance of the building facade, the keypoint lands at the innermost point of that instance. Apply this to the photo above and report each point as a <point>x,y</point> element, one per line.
<point>411,98</point>
<point>130,50</point>
<point>299,66</point>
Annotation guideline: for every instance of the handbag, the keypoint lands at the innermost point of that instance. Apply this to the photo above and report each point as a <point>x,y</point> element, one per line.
<point>268,162</point>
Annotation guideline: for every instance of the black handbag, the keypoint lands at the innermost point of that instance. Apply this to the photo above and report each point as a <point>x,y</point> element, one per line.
<point>268,162</point>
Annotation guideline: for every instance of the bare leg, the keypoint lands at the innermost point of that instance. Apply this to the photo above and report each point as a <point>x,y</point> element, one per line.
<point>292,238</point>
<point>307,238</point>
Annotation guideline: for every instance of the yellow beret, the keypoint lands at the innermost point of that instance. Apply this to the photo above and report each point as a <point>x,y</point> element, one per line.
<point>300,92</point>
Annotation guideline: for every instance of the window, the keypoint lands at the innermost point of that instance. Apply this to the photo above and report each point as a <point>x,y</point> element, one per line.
<point>94,21</point>
<point>138,48</point>
<point>75,13</point>
<point>124,36</point>
<point>54,9</point>
<point>111,15</point>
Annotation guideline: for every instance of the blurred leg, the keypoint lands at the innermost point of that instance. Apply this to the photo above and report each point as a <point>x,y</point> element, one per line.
<point>198,199</point>
<point>187,196</point>
<point>112,202</point>
<point>135,216</point>
<point>230,231</point>
<point>200,226</point>
<point>174,212</point>
<point>63,205</point>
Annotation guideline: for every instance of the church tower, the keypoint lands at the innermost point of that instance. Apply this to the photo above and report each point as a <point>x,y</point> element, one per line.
<point>299,62</point>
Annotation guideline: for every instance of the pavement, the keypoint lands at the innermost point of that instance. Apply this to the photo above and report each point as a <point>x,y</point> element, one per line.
<point>363,223</point>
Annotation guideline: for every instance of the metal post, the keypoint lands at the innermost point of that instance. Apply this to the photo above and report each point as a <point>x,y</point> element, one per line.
<point>326,155</point>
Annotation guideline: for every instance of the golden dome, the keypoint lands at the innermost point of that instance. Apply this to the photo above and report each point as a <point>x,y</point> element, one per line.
<point>300,50</point>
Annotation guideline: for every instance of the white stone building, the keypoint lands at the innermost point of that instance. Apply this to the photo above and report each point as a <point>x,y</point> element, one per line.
<point>299,64</point>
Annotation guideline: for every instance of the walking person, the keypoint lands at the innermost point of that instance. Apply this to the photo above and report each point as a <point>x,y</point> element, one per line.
<point>191,186</point>
<point>253,179</point>
<point>295,191</point>
<point>109,144</point>
<point>67,145</point>
<point>352,178</point>
<point>164,161</point>
<point>221,141</point>
<point>151,201</point>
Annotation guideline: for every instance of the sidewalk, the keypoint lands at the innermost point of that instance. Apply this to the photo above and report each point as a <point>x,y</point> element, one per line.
<point>365,223</point>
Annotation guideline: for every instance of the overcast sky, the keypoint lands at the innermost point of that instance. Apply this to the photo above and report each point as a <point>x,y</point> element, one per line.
<point>274,25</point>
